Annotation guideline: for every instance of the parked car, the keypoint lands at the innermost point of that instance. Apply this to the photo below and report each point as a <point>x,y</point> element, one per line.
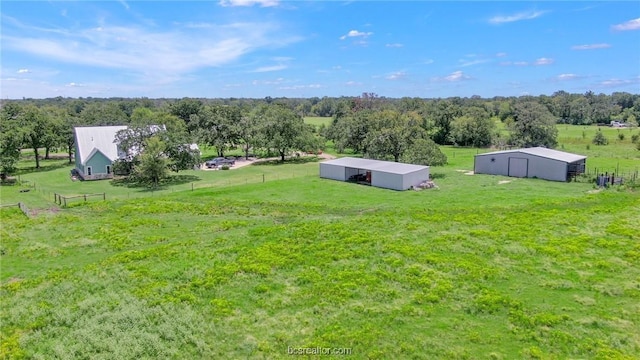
<point>219,161</point>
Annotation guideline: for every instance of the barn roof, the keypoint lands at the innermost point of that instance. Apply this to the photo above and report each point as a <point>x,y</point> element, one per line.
<point>377,165</point>
<point>90,139</point>
<point>542,152</point>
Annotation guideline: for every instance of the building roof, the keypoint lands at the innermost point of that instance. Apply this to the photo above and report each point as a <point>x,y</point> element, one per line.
<point>377,165</point>
<point>90,139</point>
<point>542,152</point>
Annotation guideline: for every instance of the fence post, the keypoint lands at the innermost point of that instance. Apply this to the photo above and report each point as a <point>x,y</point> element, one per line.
<point>262,177</point>
<point>191,186</point>
<point>65,202</point>
<point>104,196</point>
<point>85,197</point>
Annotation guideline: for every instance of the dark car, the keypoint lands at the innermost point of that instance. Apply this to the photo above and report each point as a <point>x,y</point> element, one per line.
<point>219,161</point>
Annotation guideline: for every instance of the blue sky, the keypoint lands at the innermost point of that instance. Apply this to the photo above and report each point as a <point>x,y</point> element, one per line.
<point>259,48</point>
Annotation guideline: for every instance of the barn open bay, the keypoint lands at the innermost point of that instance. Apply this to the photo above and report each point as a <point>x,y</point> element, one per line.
<point>474,269</point>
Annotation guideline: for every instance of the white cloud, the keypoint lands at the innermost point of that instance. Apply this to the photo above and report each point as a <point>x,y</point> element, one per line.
<point>514,63</point>
<point>277,81</point>
<point>270,68</point>
<point>590,46</point>
<point>619,82</point>
<point>465,63</point>
<point>353,83</point>
<point>356,33</point>
<point>299,87</point>
<point>396,75</point>
<point>262,3</point>
<point>501,54</point>
<point>72,84</point>
<point>453,77</point>
<point>428,62</point>
<point>23,71</point>
<point>629,25</point>
<point>394,45</point>
<point>456,76</point>
<point>516,17</point>
<point>150,52</point>
<point>563,77</point>
<point>543,61</point>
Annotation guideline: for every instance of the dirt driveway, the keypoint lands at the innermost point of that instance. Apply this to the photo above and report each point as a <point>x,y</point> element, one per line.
<point>243,162</point>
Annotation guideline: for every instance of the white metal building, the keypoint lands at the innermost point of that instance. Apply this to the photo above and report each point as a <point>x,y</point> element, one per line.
<point>384,174</point>
<point>536,162</point>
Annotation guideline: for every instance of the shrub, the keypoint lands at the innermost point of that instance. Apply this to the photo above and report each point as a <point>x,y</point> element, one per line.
<point>224,167</point>
<point>600,139</point>
<point>635,137</point>
<point>620,136</point>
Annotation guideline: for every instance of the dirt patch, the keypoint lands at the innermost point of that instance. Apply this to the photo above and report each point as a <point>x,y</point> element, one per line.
<point>594,191</point>
<point>504,182</point>
<point>466,172</point>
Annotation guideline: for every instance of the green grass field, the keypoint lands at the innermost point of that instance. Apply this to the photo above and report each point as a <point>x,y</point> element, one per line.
<point>476,269</point>
<point>317,121</point>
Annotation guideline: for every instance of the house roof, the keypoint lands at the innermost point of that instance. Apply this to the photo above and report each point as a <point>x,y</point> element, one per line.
<point>377,165</point>
<point>90,139</point>
<point>542,152</point>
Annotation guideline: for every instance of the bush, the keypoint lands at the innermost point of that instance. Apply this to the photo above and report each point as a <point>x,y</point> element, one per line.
<point>224,167</point>
<point>635,138</point>
<point>600,139</point>
<point>620,136</point>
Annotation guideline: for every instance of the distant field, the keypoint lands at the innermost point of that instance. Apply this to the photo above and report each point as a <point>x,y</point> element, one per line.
<point>578,139</point>
<point>317,121</point>
<point>483,267</point>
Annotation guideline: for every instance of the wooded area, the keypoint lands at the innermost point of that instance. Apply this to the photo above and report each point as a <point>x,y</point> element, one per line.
<point>400,129</point>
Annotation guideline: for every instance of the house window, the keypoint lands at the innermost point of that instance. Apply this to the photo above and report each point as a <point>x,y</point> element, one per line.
<point>89,170</point>
<point>108,169</point>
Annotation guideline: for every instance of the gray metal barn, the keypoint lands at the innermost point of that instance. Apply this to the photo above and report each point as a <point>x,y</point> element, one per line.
<point>536,162</point>
<point>384,174</point>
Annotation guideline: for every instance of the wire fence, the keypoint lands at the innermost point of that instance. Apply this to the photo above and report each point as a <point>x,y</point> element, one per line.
<point>607,176</point>
<point>21,206</point>
<point>133,191</point>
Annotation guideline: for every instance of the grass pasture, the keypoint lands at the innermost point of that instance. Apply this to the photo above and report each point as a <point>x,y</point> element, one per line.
<point>483,267</point>
<point>318,121</point>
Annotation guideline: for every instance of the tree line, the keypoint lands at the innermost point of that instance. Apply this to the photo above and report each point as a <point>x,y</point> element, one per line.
<point>166,131</point>
<point>399,129</point>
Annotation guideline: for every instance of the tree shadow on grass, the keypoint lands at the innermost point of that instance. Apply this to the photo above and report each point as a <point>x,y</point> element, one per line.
<point>44,166</point>
<point>293,160</point>
<point>438,176</point>
<point>165,183</point>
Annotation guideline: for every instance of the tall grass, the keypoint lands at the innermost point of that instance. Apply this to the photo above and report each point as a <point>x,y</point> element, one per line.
<point>475,269</point>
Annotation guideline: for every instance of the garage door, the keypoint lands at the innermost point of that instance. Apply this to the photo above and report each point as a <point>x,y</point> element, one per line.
<point>518,167</point>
